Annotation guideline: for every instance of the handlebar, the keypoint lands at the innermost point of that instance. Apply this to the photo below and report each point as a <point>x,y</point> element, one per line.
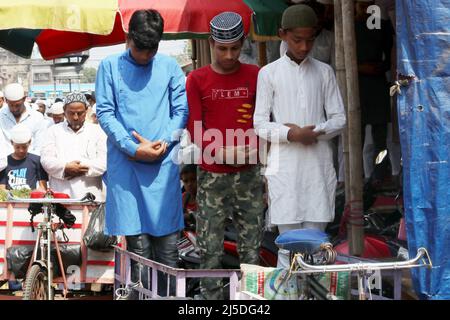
<point>422,256</point>
<point>87,198</point>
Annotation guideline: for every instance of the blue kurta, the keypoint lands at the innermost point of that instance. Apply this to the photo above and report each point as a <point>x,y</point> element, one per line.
<point>151,100</point>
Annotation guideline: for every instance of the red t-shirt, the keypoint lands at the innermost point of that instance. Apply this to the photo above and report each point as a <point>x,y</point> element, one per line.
<point>221,101</point>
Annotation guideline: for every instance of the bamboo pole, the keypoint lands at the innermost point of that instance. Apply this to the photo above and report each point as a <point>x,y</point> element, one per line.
<point>203,53</point>
<point>355,225</point>
<point>194,53</point>
<point>340,75</point>
<point>262,53</point>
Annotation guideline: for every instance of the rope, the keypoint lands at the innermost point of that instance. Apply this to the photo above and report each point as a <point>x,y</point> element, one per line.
<point>351,216</point>
<point>396,88</point>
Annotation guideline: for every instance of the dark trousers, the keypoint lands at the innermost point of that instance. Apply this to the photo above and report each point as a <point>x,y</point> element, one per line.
<point>160,249</point>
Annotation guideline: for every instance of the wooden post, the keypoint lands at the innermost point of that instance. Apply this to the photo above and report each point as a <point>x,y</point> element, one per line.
<point>355,226</point>
<point>340,75</point>
<point>262,53</point>
<point>194,53</point>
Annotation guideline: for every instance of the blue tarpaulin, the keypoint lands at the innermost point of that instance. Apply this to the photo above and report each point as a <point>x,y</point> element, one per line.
<point>423,42</point>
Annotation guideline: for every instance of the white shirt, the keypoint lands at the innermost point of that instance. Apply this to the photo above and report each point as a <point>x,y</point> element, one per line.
<point>3,152</point>
<point>62,145</point>
<point>32,119</point>
<point>301,179</point>
<point>322,50</point>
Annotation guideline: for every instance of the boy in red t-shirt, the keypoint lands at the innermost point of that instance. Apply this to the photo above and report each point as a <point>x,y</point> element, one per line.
<point>221,99</point>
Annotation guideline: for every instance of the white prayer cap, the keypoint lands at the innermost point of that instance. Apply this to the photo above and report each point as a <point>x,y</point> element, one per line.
<point>57,108</point>
<point>14,92</point>
<point>40,102</point>
<point>1,94</point>
<point>20,134</point>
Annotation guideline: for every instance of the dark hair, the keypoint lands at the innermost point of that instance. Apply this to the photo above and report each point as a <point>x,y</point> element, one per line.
<point>90,96</point>
<point>58,100</point>
<point>188,168</point>
<point>146,29</point>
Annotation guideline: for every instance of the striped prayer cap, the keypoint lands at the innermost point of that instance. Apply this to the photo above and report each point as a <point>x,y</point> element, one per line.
<point>227,27</point>
<point>75,97</point>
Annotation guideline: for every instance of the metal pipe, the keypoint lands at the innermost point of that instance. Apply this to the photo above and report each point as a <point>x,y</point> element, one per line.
<point>60,262</point>
<point>49,259</point>
<point>307,268</point>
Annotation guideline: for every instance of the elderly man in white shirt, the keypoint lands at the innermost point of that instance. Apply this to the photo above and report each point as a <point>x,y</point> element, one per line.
<point>16,113</point>
<point>299,109</point>
<point>74,152</point>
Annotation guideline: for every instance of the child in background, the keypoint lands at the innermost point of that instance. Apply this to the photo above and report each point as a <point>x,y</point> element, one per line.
<point>24,170</point>
<point>188,176</point>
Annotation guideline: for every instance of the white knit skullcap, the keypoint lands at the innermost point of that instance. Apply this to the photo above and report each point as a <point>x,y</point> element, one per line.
<point>57,108</point>
<point>14,92</point>
<point>20,134</point>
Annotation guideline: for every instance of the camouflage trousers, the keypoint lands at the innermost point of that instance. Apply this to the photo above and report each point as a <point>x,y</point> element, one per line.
<point>222,195</point>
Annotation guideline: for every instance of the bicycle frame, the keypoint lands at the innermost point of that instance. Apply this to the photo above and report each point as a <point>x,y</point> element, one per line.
<point>422,259</point>
<point>46,231</point>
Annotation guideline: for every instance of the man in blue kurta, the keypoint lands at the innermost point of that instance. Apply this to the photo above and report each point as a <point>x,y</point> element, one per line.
<point>142,105</point>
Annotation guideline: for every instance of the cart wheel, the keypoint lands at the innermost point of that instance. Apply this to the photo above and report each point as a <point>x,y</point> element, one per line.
<point>36,287</point>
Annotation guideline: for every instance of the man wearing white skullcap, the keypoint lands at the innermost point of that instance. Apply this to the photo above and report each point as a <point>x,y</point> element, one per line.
<point>18,113</point>
<point>57,110</point>
<point>23,170</point>
<point>41,106</point>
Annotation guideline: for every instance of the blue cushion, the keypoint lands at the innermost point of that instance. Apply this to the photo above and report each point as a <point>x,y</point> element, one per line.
<point>302,240</point>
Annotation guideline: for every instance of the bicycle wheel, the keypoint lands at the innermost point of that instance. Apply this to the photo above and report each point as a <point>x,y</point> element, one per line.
<point>36,286</point>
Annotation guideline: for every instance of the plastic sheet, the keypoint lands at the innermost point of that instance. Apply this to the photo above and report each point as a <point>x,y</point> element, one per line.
<point>423,31</point>
<point>19,257</point>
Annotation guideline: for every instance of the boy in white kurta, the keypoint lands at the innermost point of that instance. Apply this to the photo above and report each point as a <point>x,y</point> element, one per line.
<point>299,109</point>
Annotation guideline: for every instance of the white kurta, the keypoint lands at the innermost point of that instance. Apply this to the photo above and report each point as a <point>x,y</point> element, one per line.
<point>33,120</point>
<point>301,179</point>
<point>63,145</point>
